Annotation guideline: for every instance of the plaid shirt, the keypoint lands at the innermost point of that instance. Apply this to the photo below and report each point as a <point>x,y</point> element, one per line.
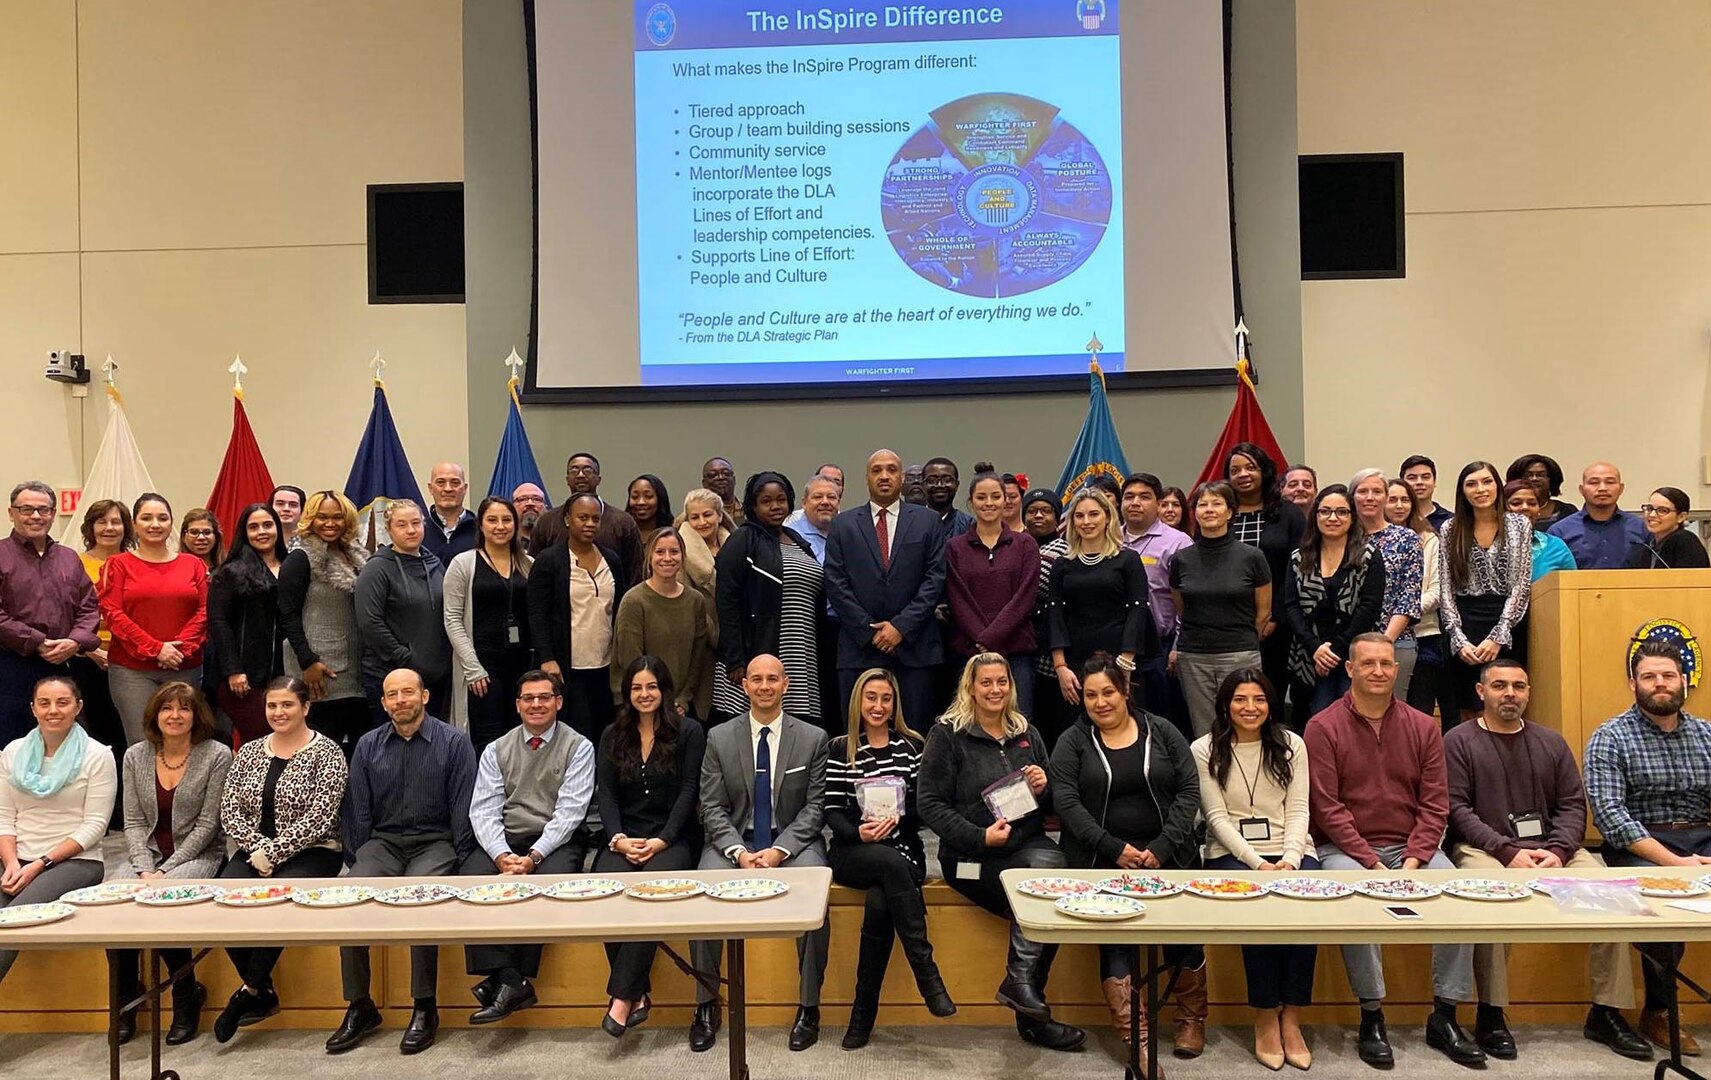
<point>1636,773</point>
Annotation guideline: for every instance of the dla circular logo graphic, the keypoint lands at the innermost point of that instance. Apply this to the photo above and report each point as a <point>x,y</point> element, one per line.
<point>1674,633</point>
<point>661,24</point>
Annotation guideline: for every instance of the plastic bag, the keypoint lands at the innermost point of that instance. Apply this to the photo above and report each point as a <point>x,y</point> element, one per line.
<point>1610,896</point>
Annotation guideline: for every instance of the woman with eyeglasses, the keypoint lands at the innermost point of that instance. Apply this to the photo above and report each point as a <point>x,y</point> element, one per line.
<point>1669,544</point>
<point>199,534</point>
<point>243,621</point>
<point>156,603</point>
<point>1546,478</point>
<point>1334,590</point>
<point>317,615</point>
<point>1485,564</point>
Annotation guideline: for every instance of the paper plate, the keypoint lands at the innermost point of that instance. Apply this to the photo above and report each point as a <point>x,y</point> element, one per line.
<point>333,896</point>
<point>1310,888</point>
<point>110,892</point>
<point>1139,885</point>
<point>1670,887</point>
<point>431,892</point>
<point>1225,888</point>
<point>1050,888</point>
<point>255,896</point>
<point>666,889</point>
<point>747,889</point>
<point>1396,888</point>
<point>1487,889</point>
<point>1100,906</point>
<point>499,892</point>
<point>592,888</point>
<point>176,895</point>
<point>34,914</point>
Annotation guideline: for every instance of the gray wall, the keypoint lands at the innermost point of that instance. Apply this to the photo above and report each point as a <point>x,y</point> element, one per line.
<point>1169,432</point>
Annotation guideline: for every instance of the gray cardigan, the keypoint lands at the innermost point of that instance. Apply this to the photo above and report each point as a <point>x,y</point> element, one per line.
<point>199,846</point>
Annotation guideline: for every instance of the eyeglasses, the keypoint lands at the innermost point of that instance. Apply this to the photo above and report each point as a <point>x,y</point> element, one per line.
<point>32,511</point>
<point>1657,511</point>
<point>1335,512</point>
<point>580,470</point>
<point>536,699</point>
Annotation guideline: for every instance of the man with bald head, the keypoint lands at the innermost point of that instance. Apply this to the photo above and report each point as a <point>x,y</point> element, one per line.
<point>531,503</point>
<point>885,573</point>
<point>451,526</point>
<point>1599,534</point>
<point>405,814</point>
<point>763,804</point>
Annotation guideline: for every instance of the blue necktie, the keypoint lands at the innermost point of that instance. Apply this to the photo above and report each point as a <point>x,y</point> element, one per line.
<point>763,792</point>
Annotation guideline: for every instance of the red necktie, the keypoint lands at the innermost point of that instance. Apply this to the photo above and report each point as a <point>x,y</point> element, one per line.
<point>884,541</point>
<point>535,742</point>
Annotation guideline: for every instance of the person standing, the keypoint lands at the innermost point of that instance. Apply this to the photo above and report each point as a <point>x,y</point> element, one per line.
<point>1429,688</point>
<point>1299,485</point>
<point>48,612</point>
<point>287,501</point>
<point>156,603</point>
<point>704,527</point>
<point>199,534</point>
<point>1146,534</point>
<point>400,611</point>
<point>451,528</point>
<point>487,622</point>
<point>530,503</point>
<point>1420,473</point>
<point>1041,515</point>
<point>665,618</point>
<point>1517,802</point>
<point>991,578</point>
<point>1334,590</point>
<point>1546,478</point>
<point>617,530</point>
<point>1600,533</point>
<point>317,616</point>
<point>1549,552</point>
<point>1263,519</point>
<point>942,481</point>
<point>821,501</point>
<point>574,590</point>
<point>243,621</point>
<point>1485,574</point>
<point>719,477</point>
<point>885,574</point>
<point>648,505</point>
<point>1222,592</point>
<point>106,531</point>
<point>533,787</point>
<point>1404,566</point>
<point>406,814</point>
<point>1173,510</point>
<point>1669,543</point>
<point>1098,597</point>
<point>763,805</point>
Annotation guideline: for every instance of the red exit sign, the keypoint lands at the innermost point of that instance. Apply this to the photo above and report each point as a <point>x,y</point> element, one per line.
<point>69,499</point>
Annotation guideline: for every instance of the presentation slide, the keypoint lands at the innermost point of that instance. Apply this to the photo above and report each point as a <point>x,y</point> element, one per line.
<point>820,197</point>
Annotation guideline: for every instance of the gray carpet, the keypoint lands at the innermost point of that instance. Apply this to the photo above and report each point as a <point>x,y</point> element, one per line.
<point>962,1053</point>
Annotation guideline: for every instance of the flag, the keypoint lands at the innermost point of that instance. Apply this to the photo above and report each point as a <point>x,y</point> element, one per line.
<point>1096,450</point>
<point>1246,424</point>
<point>117,472</point>
<point>243,477</point>
<point>516,462</point>
<point>381,472</point>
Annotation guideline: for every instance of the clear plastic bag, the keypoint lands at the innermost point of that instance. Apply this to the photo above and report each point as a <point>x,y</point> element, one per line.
<point>1610,896</point>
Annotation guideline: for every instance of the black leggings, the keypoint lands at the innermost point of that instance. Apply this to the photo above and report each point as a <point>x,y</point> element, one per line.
<point>986,891</point>
<point>893,885</point>
<point>255,965</point>
<point>632,961</point>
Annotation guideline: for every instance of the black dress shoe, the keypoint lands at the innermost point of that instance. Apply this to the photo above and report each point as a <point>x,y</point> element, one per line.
<point>639,1015</point>
<point>187,1015</point>
<point>1374,1043</point>
<point>243,1009</point>
<point>1491,1032</point>
<point>704,1026</point>
<point>806,1031</point>
<point>360,1019</point>
<point>1025,999</point>
<point>507,1001</point>
<point>1608,1026</point>
<point>1050,1034</point>
<point>127,1026</point>
<point>425,1024</point>
<point>1446,1036</point>
<point>484,990</point>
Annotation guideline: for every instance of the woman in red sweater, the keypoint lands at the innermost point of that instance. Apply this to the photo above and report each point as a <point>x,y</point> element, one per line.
<point>992,578</point>
<point>156,603</point>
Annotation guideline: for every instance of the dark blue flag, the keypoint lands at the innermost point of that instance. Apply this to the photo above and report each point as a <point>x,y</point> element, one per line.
<point>381,471</point>
<point>1097,449</point>
<point>516,461</point>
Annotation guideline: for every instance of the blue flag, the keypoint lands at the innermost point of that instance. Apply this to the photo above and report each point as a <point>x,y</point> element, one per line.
<point>381,471</point>
<point>516,462</point>
<point>1096,449</point>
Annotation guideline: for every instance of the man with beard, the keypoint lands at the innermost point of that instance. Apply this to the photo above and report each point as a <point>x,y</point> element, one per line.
<point>1648,778</point>
<point>1516,801</point>
<point>914,486</point>
<point>531,503</point>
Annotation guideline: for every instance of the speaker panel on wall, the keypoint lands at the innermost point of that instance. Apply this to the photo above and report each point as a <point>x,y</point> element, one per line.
<point>1352,222</point>
<point>415,243</point>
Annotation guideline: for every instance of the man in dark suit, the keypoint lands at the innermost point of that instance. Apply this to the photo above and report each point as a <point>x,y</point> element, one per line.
<point>885,573</point>
<point>763,804</point>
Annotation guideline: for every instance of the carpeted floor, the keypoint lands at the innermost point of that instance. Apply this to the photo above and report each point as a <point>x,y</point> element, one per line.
<point>949,1053</point>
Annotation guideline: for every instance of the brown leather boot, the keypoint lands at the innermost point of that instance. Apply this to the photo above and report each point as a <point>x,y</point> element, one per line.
<point>1654,1025</point>
<point>1191,1005</point>
<point>1117,1000</point>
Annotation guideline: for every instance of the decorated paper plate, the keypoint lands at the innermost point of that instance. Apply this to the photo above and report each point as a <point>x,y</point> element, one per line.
<point>1225,888</point>
<point>176,895</point>
<point>500,892</point>
<point>255,896</point>
<point>1050,888</point>
<point>1100,906</point>
<point>583,888</point>
<point>754,888</point>
<point>431,892</point>
<point>333,896</point>
<point>1396,888</point>
<point>1142,885</point>
<point>1673,888</point>
<point>666,889</point>
<point>35,914</point>
<point>1310,888</point>
<point>110,892</point>
<point>1487,889</point>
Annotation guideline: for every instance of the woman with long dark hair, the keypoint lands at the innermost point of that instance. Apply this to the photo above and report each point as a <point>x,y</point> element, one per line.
<point>771,592</point>
<point>1264,519</point>
<point>991,578</point>
<point>487,621</point>
<point>648,503</point>
<point>1253,792</point>
<point>1173,509</point>
<point>1333,591</point>
<point>1485,566</point>
<point>243,621</point>
<point>317,615</point>
<point>647,777</point>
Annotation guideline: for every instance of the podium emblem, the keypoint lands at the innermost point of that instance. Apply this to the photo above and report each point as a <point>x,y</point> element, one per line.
<point>1671,632</point>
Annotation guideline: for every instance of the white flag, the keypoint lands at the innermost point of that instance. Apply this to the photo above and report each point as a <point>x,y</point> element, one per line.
<point>116,473</point>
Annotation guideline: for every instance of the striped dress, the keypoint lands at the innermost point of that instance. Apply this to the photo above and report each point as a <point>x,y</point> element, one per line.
<point>798,641</point>
<point>899,757</point>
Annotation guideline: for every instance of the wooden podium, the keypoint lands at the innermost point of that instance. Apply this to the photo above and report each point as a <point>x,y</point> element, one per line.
<point>1582,624</point>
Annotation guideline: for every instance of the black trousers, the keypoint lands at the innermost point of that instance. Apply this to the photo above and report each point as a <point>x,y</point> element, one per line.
<point>1430,688</point>
<point>986,891</point>
<point>1278,975</point>
<point>1660,989</point>
<point>893,885</point>
<point>632,961</point>
<point>588,701</point>
<point>343,720</point>
<point>493,959</point>
<point>255,965</point>
<point>494,713</point>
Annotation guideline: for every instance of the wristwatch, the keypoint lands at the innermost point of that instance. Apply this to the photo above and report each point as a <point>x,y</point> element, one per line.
<point>535,857</point>
<point>47,862</point>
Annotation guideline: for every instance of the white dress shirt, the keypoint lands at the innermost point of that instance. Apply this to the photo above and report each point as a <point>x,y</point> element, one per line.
<point>487,801</point>
<point>755,728</point>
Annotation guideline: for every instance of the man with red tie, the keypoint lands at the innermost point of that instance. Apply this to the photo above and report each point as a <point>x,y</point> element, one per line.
<point>885,574</point>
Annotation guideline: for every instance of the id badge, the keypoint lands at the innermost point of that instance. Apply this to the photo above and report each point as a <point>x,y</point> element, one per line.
<point>514,634</point>
<point>1255,828</point>
<point>968,871</point>
<point>1527,826</point>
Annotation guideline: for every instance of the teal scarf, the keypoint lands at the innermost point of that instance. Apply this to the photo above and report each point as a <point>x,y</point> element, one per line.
<point>39,775</point>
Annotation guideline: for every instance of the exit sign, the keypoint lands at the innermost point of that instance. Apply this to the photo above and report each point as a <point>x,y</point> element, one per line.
<point>69,498</point>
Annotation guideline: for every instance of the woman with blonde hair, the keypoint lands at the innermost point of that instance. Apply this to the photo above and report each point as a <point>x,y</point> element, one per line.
<point>984,744</point>
<point>871,789</point>
<point>705,527</point>
<point>1098,599</point>
<point>317,616</point>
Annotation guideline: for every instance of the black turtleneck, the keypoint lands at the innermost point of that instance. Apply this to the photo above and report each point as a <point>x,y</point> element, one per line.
<point>1217,577</point>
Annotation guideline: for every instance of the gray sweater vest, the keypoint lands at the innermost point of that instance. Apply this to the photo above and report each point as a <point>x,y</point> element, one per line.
<point>532,778</point>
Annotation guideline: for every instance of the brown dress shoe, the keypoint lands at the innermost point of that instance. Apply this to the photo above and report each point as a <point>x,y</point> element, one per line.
<point>1654,1025</point>
<point>1191,1007</point>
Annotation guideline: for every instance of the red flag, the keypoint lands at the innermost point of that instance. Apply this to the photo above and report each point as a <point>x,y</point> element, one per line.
<point>1246,424</point>
<point>243,478</point>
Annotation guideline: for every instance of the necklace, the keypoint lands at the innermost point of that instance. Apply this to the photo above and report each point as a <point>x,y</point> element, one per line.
<point>1090,560</point>
<point>160,756</point>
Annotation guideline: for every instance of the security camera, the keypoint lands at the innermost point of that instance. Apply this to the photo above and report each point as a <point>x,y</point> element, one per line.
<point>67,367</point>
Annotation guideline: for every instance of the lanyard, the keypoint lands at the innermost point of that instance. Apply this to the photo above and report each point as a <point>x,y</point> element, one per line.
<point>1502,763</point>
<point>1253,786</point>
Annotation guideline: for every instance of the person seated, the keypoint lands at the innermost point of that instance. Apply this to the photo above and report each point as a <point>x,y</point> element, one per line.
<point>406,815</point>
<point>532,789</point>
<point>1516,801</point>
<point>1379,802</point>
<point>1648,781</point>
<point>984,739</point>
<point>763,805</point>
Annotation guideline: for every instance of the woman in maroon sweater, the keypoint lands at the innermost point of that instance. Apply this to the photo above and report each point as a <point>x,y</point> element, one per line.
<point>992,575</point>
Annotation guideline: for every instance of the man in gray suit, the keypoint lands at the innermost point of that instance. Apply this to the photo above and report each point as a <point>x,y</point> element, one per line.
<point>763,804</point>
